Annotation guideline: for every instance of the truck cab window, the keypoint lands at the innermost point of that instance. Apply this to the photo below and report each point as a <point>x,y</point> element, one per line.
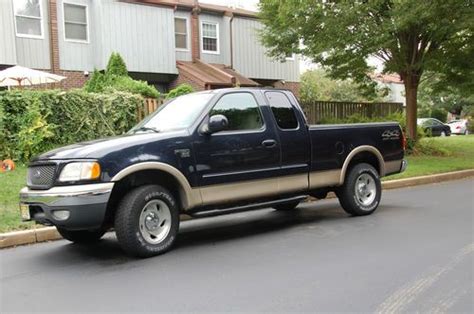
<point>283,111</point>
<point>241,109</point>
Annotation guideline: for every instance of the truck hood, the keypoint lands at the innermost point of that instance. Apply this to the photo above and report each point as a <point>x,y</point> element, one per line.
<point>97,149</point>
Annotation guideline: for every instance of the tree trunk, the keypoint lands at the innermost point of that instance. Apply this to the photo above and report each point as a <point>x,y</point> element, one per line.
<point>411,91</point>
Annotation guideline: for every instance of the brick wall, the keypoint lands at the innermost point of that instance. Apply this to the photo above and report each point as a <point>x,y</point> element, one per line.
<point>184,79</point>
<point>293,86</point>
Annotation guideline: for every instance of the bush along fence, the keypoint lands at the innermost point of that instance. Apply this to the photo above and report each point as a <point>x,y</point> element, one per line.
<point>323,111</point>
<point>32,122</point>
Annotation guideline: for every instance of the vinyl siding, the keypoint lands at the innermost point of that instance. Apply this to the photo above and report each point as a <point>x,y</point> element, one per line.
<point>77,56</point>
<point>142,34</point>
<point>250,57</point>
<point>7,44</point>
<point>35,52</point>
<point>224,43</point>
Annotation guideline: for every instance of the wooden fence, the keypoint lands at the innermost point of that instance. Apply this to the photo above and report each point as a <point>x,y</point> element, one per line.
<point>319,111</point>
<point>149,106</point>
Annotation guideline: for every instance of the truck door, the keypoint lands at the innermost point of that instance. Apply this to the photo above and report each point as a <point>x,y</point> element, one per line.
<point>293,134</point>
<point>247,153</point>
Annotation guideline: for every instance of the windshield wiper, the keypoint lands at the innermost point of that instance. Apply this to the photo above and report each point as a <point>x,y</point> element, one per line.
<point>145,128</point>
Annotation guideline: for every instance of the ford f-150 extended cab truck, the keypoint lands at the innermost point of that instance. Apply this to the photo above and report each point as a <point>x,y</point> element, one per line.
<point>205,154</point>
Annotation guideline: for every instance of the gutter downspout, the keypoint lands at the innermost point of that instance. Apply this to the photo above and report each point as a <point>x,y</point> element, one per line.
<point>231,41</point>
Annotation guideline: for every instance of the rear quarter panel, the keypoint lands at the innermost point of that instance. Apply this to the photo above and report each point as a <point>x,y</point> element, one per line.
<point>331,144</point>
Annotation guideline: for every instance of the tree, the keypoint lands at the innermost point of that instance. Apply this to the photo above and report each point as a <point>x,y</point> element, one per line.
<point>410,37</point>
<point>116,78</point>
<point>317,85</point>
<point>116,65</point>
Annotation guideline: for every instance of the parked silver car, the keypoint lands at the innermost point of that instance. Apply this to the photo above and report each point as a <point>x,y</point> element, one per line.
<point>459,127</point>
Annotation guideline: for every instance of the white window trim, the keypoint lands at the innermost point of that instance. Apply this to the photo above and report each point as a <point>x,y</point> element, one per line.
<point>87,23</point>
<point>31,17</point>
<point>218,46</point>
<point>292,58</point>
<point>188,37</point>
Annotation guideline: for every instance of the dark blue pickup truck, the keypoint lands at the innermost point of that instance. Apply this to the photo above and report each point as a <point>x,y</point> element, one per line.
<point>205,154</point>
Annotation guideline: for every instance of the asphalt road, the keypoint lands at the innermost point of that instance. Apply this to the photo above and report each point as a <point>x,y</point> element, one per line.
<point>414,254</point>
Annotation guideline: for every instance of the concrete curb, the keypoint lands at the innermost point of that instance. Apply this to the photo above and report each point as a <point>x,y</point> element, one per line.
<point>49,233</point>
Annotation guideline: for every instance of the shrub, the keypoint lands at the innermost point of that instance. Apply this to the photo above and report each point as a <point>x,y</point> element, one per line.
<point>127,84</point>
<point>182,89</point>
<point>116,79</point>
<point>37,121</point>
<point>116,65</point>
<point>97,82</point>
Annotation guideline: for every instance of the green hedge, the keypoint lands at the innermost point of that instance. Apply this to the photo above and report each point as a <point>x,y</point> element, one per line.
<point>32,122</point>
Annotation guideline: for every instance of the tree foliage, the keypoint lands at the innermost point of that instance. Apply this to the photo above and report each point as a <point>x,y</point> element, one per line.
<point>116,78</point>
<point>317,85</point>
<point>116,65</point>
<point>180,90</point>
<point>409,37</point>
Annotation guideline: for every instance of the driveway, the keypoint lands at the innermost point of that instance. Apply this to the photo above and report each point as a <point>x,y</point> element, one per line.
<point>414,254</point>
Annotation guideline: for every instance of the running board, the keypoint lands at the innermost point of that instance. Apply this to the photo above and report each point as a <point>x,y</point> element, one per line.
<point>239,209</point>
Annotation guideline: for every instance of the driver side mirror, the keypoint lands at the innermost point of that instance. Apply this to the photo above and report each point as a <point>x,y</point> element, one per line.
<point>215,124</point>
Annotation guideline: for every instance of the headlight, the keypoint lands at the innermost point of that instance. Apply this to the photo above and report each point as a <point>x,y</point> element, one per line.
<point>76,171</point>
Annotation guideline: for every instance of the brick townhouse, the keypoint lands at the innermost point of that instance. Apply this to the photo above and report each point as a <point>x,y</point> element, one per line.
<point>165,42</point>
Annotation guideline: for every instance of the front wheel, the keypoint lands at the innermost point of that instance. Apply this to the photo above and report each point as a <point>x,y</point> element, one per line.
<point>147,221</point>
<point>81,236</point>
<point>360,195</point>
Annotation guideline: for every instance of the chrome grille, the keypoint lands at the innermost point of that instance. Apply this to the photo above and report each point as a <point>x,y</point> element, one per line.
<point>41,176</point>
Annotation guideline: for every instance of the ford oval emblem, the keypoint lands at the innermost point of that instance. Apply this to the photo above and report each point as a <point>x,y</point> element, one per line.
<point>37,174</point>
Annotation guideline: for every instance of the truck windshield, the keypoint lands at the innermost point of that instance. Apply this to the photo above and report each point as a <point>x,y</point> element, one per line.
<point>178,114</point>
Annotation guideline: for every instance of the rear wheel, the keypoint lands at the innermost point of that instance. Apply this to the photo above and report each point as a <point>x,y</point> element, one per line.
<point>147,221</point>
<point>443,134</point>
<point>81,236</point>
<point>360,195</point>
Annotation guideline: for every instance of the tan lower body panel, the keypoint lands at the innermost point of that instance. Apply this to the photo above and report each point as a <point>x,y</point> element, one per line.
<point>393,166</point>
<point>320,179</point>
<point>223,193</point>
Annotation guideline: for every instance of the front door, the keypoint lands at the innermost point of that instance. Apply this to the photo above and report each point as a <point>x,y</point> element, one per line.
<point>242,161</point>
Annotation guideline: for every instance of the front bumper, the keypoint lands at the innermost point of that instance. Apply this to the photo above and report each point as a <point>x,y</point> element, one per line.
<point>73,207</point>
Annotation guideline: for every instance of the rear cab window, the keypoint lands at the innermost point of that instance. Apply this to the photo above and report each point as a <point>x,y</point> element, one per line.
<point>282,110</point>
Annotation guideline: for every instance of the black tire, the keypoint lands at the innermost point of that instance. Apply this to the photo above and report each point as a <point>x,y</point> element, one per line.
<point>351,200</point>
<point>81,236</point>
<point>132,235</point>
<point>286,206</point>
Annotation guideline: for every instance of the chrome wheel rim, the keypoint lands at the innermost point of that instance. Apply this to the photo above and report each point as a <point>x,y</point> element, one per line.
<point>155,221</point>
<point>365,189</point>
<point>443,134</point>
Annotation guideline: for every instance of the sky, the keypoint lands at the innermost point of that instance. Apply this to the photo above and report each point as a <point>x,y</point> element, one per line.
<point>245,4</point>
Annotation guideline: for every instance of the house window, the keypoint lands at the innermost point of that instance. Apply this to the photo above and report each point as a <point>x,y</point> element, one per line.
<point>210,37</point>
<point>28,18</point>
<point>75,22</point>
<point>181,33</point>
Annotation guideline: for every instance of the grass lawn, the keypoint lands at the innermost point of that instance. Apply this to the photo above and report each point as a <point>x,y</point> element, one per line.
<point>461,157</point>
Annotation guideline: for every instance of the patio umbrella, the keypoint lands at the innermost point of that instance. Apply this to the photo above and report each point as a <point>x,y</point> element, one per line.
<point>21,76</point>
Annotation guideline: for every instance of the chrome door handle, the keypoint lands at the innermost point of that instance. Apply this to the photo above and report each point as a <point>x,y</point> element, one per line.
<point>269,143</point>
